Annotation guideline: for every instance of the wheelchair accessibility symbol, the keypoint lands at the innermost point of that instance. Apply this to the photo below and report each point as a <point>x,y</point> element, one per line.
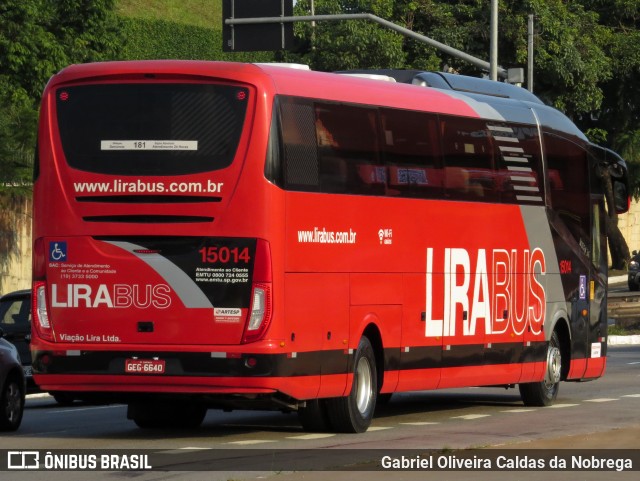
<point>582,289</point>
<point>58,251</point>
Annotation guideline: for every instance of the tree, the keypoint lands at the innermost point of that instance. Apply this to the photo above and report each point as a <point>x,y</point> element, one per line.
<point>619,113</point>
<point>38,38</point>
<point>29,53</point>
<point>17,138</point>
<point>348,45</point>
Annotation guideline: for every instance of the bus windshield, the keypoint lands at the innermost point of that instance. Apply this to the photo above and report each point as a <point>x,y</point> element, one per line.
<point>150,129</point>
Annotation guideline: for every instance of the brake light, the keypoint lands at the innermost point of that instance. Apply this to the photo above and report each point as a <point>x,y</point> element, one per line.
<point>260,309</point>
<point>260,313</point>
<point>42,323</point>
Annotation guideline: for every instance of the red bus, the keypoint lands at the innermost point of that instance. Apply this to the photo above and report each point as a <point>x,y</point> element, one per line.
<point>241,236</point>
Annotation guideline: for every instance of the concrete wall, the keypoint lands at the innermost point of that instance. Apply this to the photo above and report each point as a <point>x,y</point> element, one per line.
<point>15,242</point>
<point>629,225</point>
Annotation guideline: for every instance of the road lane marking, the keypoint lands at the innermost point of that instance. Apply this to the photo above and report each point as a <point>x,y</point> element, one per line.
<point>469,417</point>
<point>519,410</point>
<point>312,436</point>
<point>379,428</point>
<point>253,441</point>
<point>601,400</point>
<point>77,410</point>
<point>419,423</point>
<point>182,450</point>
<point>560,406</point>
<point>631,395</point>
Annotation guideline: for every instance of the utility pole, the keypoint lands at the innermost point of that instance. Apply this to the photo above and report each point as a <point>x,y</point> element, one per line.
<point>530,54</point>
<point>493,54</point>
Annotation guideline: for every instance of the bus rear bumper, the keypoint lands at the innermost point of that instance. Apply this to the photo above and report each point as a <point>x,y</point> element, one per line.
<point>143,384</point>
<point>233,394</point>
<point>227,393</point>
<point>124,374</point>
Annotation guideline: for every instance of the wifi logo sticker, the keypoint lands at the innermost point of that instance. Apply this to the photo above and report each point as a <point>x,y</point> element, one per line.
<point>385,236</point>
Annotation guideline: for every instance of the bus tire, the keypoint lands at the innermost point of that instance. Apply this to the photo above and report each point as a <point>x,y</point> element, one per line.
<point>167,415</point>
<point>545,392</point>
<point>313,417</point>
<point>353,413</point>
<point>11,404</point>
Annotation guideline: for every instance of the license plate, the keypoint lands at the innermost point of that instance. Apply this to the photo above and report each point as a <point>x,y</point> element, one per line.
<point>144,366</point>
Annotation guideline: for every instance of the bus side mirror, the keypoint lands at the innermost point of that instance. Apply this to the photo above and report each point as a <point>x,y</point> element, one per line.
<point>620,197</point>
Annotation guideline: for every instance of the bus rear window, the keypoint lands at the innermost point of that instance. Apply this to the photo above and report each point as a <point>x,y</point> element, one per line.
<point>150,129</point>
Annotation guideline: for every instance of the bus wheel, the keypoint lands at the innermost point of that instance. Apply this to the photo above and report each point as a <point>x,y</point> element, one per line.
<point>314,417</point>
<point>545,392</point>
<point>353,414</point>
<point>167,415</point>
<point>11,405</point>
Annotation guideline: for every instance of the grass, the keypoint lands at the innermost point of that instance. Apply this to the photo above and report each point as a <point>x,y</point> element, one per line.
<point>201,13</point>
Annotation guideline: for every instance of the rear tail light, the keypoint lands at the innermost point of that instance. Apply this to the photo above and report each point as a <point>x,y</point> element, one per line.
<point>260,309</point>
<point>42,323</point>
<point>260,313</point>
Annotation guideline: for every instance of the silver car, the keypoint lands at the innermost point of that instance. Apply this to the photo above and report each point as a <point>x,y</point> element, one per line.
<point>12,386</point>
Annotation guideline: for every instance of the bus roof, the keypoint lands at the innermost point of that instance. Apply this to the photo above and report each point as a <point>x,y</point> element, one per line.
<point>513,106</point>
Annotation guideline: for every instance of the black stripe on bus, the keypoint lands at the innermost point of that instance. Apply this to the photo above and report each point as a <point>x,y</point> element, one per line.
<point>148,219</point>
<point>311,363</point>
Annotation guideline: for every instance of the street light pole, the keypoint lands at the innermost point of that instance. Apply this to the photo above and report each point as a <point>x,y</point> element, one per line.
<point>530,54</point>
<point>493,54</point>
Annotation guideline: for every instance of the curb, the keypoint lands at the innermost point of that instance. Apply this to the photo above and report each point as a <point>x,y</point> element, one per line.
<point>39,395</point>
<point>633,340</point>
<point>617,280</point>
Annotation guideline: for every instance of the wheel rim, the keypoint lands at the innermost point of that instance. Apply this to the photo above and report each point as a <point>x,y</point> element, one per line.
<point>364,393</point>
<point>13,402</point>
<point>554,367</point>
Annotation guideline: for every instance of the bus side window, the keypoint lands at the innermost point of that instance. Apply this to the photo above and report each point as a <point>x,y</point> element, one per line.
<point>299,145</point>
<point>332,167</point>
<point>348,149</point>
<point>568,174</point>
<point>469,160</point>
<point>411,151</point>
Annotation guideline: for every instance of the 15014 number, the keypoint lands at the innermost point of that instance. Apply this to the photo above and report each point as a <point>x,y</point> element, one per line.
<point>224,255</point>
